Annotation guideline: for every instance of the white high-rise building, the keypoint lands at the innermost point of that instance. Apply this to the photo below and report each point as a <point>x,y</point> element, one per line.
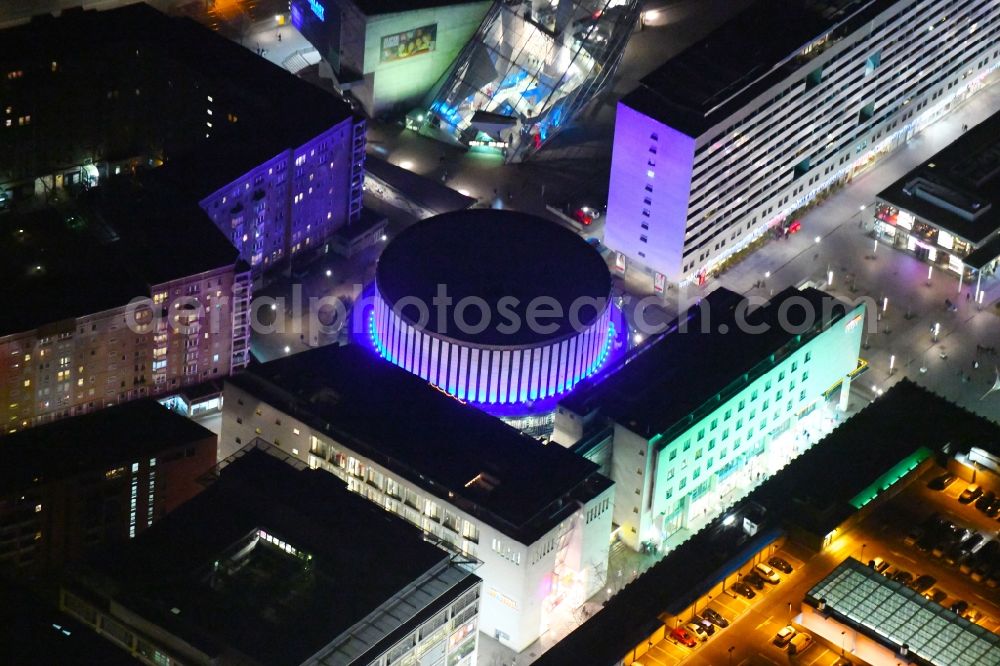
<point>786,101</point>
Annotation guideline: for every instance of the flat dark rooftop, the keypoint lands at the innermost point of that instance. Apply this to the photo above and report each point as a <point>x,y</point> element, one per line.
<point>275,109</point>
<point>424,435</point>
<point>970,165</point>
<point>279,609</point>
<point>681,371</point>
<point>493,255</point>
<point>93,442</point>
<point>813,491</point>
<point>692,91</point>
<point>428,193</point>
<point>109,247</point>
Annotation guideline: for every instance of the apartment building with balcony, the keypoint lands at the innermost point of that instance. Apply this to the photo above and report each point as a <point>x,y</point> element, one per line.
<point>696,419</point>
<point>778,106</point>
<point>126,294</point>
<point>533,520</point>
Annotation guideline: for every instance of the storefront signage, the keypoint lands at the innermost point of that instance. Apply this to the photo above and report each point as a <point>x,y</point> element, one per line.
<point>318,9</point>
<point>402,45</point>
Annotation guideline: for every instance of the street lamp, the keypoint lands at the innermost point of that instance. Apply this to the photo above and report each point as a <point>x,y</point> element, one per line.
<point>843,641</point>
<point>937,330</point>
<point>864,545</point>
<point>288,349</point>
<point>329,273</point>
<point>892,366</point>
<point>730,651</point>
<point>885,303</point>
<point>818,239</point>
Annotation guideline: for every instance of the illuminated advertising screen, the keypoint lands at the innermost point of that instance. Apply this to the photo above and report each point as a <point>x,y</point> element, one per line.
<point>404,45</point>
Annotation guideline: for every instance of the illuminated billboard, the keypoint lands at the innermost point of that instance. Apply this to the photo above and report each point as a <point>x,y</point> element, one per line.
<point>402,45</point>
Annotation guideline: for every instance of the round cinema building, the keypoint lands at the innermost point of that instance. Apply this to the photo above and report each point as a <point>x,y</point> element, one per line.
<point>500,309</point>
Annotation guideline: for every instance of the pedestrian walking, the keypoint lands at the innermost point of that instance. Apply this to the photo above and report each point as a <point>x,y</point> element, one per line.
<point>279,37</point>
<point>968,295</point>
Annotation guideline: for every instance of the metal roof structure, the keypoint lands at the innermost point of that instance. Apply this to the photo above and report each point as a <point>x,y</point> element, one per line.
<point>896,616</point>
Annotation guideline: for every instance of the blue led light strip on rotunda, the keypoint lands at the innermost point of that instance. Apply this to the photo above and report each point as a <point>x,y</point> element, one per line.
<point>594,365</point>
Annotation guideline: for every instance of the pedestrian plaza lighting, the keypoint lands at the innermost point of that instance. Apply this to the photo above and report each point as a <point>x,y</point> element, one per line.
<point>288,349</point>
<point>885,303</point>
<point>329,273</point>
<point>818,239</point>
<point>892,363</point>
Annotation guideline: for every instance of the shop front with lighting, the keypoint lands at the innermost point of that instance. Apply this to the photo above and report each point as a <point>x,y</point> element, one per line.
<point>943,211</point>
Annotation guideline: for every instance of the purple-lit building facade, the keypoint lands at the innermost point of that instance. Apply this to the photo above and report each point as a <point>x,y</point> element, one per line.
<point>493,376</point>
<point>776,108</point>
<point>293,202</point>
<point>484,346</point>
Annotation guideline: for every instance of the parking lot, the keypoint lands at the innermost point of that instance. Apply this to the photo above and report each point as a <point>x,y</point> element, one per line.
<point>934,550</point>
<point>753,622</point>
<point>923,532</point>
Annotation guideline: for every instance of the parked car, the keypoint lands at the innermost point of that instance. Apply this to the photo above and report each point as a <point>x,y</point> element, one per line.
<point>683,636</point>
<point>784,636</point>
<point>704,623</point>
<point>904,577</point>
<point>715,618</point>
<point>941,482</point>
<point>960,606</point>
<point>993,510</point>
<point>983,502</point>
<point>780,564</point>
<point>697,630</point>
<point>937,595</point>
<point>754,579</point>
<point>878,564</point>
<point>800,643</point>
<point>767,573</point>
<point>913,536</point>
<point>970,494</point>
<point>743,590</point>
<point>924,583</point>
<point>973,615</point>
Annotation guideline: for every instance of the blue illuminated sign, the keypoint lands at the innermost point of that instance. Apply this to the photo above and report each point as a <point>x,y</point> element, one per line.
<point>318,9</point>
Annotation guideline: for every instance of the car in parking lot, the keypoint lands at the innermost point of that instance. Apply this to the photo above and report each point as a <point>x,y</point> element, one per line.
<point>985,500</point>
<point>913,536</point>
<point>937,595</point>
<point>800,643</point>
<point>780,564</point>
<point>784,636</point>
<point>715,618</point>
<point>941,482</point>
<point>698,630</point>
<point>753,578</point>
<point>960,606</point>
<point>993,510</point>
<point>704,623</point>
<point>878,564</point>
<point>904,577</point>
<point>970,494</point>
<point>743,590</point>
<point>767,573</point>
<point>683,636</point>
<point>923,583</point>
